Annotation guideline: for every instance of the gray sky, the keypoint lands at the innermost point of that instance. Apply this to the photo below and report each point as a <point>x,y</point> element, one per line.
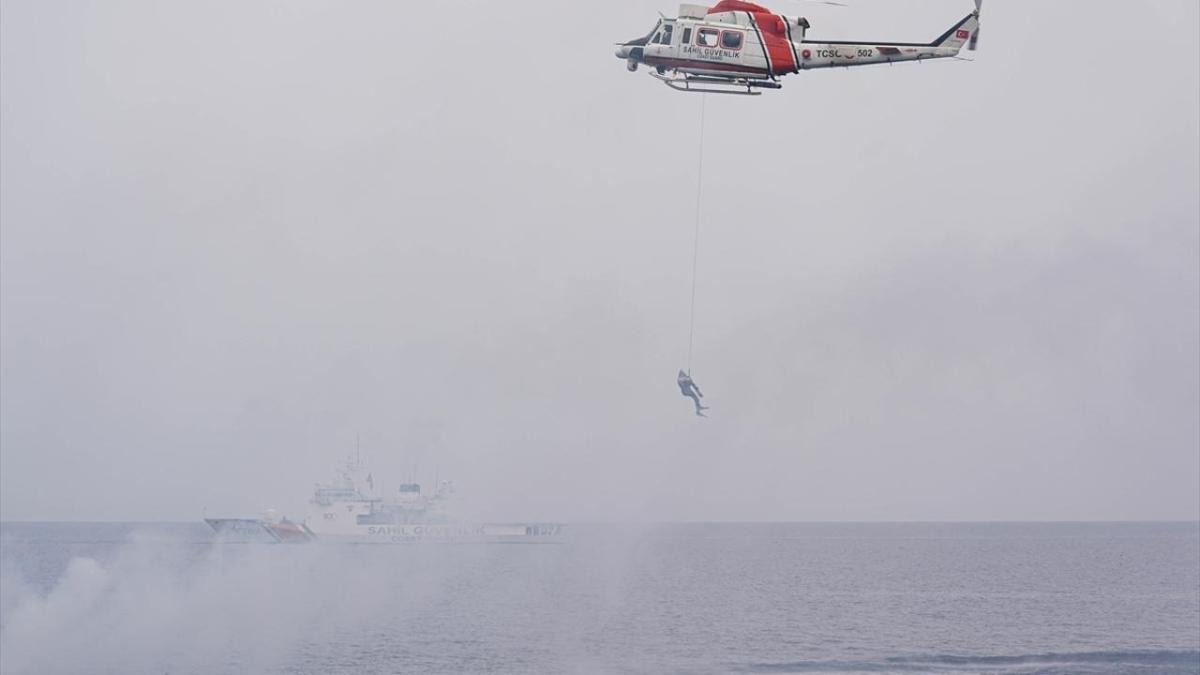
<point>235,235</point>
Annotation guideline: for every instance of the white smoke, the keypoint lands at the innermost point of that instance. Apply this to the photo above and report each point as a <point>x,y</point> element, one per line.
<point>162,607</point>
<point>160,604</point>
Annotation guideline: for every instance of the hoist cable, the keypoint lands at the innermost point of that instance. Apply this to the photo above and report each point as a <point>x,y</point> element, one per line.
<point>696,236</point>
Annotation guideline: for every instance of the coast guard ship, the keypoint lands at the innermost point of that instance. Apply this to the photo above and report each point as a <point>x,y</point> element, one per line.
<point>347,510</point>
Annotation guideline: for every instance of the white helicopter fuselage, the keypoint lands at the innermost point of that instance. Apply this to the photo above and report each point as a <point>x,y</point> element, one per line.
<point>743,42</point>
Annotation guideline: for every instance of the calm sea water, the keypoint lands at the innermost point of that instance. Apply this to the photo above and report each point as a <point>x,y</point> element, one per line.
<point>803,598</point>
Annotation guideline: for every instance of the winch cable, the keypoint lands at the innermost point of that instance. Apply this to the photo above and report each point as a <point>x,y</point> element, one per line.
<point>696,235</point>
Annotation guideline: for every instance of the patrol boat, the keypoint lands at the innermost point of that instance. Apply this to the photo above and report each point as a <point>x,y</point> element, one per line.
<point>346,509</point>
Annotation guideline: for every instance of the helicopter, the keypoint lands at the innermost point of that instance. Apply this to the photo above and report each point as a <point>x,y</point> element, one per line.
<point>738,47</point>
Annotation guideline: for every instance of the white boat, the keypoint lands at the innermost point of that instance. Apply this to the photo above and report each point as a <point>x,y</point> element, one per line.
<point>347,510</point>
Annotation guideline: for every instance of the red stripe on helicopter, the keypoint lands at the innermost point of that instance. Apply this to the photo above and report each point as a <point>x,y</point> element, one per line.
<point>779,47</point>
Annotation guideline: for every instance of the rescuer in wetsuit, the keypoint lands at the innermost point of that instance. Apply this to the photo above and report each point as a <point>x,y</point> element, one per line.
<point>688,388</point>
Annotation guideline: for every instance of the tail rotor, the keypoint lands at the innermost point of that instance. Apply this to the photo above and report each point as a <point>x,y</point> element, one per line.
<point>974,43</point>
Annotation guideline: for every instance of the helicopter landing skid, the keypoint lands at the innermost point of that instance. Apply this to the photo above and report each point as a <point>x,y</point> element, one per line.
<point>716,85</point>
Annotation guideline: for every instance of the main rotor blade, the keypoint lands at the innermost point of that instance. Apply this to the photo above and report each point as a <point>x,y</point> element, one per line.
<point>833,3</point>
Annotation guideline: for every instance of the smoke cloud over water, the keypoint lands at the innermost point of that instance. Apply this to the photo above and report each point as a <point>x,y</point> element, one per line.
<point>241,609</point>
<point>1105,599</point>
<point>177,604</point>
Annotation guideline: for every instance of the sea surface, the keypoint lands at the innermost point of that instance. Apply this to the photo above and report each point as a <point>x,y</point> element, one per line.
<point>730,598</point>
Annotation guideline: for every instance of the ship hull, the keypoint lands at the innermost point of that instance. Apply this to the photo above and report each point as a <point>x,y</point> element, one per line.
<point>248,530</point>
<point>416,533</point>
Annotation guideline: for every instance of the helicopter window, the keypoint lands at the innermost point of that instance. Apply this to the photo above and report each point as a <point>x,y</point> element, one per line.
<point>666,40</point>
<point>687,36</point>
<point>731,39</point>
<point>706,37</point>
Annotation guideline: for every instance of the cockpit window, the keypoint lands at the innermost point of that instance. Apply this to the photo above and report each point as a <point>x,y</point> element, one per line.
<point>666,34</point>
<point>731,39</point>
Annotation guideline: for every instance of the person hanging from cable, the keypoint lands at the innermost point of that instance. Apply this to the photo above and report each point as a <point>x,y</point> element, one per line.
<point>688,388</point>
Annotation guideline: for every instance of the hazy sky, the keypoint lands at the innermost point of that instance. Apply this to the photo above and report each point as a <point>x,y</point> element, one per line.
<point>237,234</point>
